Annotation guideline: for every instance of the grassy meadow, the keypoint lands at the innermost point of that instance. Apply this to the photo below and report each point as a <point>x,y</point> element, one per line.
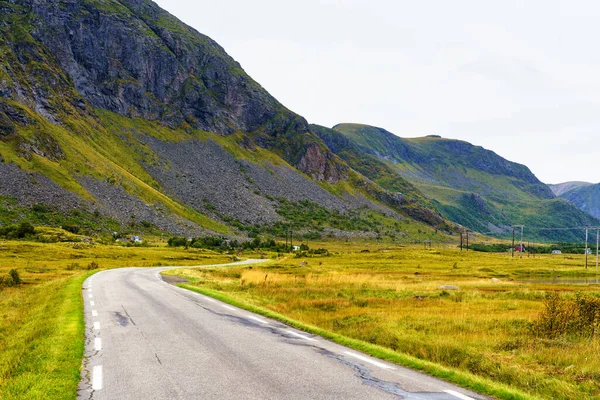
<point>389,301</point>
<point>41,321</point>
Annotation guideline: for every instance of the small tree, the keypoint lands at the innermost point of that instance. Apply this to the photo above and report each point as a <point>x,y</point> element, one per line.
<point>25,229</point>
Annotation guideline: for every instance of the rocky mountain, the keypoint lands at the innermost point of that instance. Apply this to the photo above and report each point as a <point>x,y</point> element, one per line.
<point>585,196</point>
<point>467,184</point>
<point>560,188</point>
<point>114,115</point>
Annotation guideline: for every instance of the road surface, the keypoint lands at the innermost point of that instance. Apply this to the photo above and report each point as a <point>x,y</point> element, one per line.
<point>147,339</point>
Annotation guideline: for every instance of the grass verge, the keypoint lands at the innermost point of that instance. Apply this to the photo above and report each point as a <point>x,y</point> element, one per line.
<point>42,339</point>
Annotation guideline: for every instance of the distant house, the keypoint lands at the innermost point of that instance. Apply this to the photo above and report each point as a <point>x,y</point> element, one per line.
<point>520,248</point>
<point>556,252</point>
<point>296,248</point>
<point>136,239</point>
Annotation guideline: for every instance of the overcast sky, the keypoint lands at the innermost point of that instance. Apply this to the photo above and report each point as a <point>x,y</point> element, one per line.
<point>521,78</point>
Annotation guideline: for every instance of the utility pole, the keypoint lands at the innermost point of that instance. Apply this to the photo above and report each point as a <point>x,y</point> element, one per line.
<point>522,226</point>
<point>513,240</point>
<point>586,247</point>
<point>597,242</point>
<point>467,240</point>
<point>461,239</point>
<point>512,250</point>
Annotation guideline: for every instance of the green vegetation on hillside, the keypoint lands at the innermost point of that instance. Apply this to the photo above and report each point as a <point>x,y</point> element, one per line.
<point>467,184</point>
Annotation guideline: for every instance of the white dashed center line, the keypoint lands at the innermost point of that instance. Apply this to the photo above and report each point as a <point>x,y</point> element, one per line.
<point>97,378</point>
<point>92,303</point>
<point>258,319</point>
<point>94,313</point>
<point>368,360</point>
<point>97,344</point>
<point>459,395</point>
<point>91,296</point>
<point>299,335</point>
<point>96,325</point>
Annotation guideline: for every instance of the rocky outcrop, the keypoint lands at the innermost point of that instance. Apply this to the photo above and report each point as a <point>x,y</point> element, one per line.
<point>321,166</point>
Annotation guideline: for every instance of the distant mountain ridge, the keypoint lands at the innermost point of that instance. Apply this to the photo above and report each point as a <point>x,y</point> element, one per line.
<point>560,188</point>
<point>584,195</point>
<point>468,184</point>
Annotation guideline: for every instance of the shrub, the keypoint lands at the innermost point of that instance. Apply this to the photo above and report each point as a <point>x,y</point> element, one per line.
<point>71,228</point>
<point>93,265</point>
<point>12,279</point>
<point>17,231</point>
<point>177,241</point>
<point>25,229</point>
<point>16,278</point>
<point>563,317</point>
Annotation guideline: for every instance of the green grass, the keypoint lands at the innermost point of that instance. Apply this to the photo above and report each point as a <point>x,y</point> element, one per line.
<point>388,302</point>
<point>41,339</point>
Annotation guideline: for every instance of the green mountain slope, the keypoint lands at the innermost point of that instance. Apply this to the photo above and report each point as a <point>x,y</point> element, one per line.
<point>114,114</point>
<point>468,184</point>
<point>585,196</point>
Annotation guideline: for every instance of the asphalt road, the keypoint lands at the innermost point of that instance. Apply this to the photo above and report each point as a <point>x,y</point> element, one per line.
<point>146,339</point>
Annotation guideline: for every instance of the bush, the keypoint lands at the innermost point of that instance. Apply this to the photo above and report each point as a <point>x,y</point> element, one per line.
<point>71,228</point>
<point>12,279</point>
<point>20,231</point>
<point>563,317</point>
<point>16,278</point>
<point>25,229</point>
<point>93,265</point>
<point>177,241</point>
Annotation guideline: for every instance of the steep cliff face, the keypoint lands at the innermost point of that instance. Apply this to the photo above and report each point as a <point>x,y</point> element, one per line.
<point>135,59</point>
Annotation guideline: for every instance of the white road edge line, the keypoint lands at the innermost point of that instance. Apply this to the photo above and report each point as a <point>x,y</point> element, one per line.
<point>368,360</point>
<point>94,313</point>
<point>299,335</point>
<point>98,344</point>
<point>97,378</point>
<point>92,303</point>
<point>96,325</point>
<point>209,299</point>
<point>459,395</point>
<point>227,307</point>
<point>258,319</point>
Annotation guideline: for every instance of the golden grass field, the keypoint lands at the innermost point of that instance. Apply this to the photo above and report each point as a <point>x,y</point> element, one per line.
<point>391,297</point>
<point>386,301</point>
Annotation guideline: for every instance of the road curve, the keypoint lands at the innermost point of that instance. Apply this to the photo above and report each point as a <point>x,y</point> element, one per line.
<point>146,339</point>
